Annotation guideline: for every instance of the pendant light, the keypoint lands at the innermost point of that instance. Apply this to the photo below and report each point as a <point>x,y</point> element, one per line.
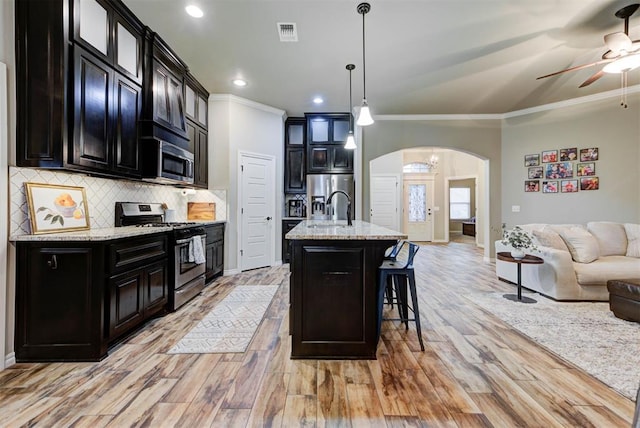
<point>351,142</point>
<point>364,117</point>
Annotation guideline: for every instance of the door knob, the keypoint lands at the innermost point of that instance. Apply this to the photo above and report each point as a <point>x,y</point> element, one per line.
<point>268,218</point>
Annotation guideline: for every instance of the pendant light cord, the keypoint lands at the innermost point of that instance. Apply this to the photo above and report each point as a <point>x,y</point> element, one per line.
<point>364,68</point>
<point>350,103</point>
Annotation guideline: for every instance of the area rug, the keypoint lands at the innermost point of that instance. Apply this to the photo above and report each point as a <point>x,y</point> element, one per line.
<point>231,324</point>
<point>586,334</point>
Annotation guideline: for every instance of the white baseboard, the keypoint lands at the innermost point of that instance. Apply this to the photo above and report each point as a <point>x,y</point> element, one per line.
<point>228,272</point>
<point>9,359</point>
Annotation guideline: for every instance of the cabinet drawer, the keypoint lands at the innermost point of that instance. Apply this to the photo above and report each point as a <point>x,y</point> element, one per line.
<point>215,233</point>
<point>127,254</point>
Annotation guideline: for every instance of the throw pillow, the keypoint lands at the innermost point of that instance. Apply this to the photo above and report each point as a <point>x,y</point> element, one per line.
<point>633,239</point>
<point>582,245</point>
<point>611,237</point>
<point>550,239</point>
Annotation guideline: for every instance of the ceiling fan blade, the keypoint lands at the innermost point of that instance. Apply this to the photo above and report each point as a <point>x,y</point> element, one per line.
<point>577,67</point>
<point>592,79</point>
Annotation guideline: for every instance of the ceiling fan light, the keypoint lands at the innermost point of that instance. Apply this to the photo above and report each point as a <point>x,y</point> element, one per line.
<point>626,63</point>
<point>618,42</point>
<point>364,116</point>
<point>351,142</point>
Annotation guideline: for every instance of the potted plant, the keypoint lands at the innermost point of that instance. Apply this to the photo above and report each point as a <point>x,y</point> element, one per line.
<point>519,240</point>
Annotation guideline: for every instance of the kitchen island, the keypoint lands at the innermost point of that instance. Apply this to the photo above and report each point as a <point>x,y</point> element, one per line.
<point>333,312</point>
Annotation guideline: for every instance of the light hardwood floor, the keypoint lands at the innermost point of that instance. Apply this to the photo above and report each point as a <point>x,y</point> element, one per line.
<point>475,372</point>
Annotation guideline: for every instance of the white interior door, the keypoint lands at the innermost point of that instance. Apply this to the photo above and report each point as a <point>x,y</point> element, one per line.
<point>418,209</point>
<point>257,211</point>
<point>385,201</point>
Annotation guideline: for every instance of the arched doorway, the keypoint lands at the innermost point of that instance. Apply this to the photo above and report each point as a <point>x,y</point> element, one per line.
<point>404,166</point>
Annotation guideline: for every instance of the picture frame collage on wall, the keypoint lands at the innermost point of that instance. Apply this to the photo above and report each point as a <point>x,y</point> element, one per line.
<point>562,170</point>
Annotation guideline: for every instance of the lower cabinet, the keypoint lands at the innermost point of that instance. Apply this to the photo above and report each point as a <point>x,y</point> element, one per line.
<point>59,295</point>
<point>135,296</point>
<point>287,225</point>
<point>75,298</point>
<point>214,251</point>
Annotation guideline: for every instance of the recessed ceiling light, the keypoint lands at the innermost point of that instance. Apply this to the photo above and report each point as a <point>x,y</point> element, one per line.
<point>194,11</point>
<point>239,82</point>
<point>318,100</point>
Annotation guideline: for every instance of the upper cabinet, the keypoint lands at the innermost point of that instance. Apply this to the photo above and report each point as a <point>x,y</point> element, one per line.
<point>163,103</point>
<point>92,82</point>
<point>196,99</point>
<point>295,155</point>
<point>326,136</point>
<point>104,32</point>
<point>79,75</point>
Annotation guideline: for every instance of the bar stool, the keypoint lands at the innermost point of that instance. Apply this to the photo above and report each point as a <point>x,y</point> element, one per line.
<point>401,273</point>
<point>392,254</point>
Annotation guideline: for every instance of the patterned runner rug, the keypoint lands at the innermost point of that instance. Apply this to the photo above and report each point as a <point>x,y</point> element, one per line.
<point>586,334</point>
<point>231,324</point>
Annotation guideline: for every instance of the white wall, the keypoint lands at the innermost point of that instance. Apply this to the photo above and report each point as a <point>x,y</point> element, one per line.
<point>603,124</point>
<point>251,127</point>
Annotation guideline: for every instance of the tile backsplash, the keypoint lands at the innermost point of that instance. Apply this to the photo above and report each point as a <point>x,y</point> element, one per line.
<point>102,194</point>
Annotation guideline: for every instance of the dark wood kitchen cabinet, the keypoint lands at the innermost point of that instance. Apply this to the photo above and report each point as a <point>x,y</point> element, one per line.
<point>59,302</point>
<point>326,136</point>
<point>214,251</point>
<point>138,282</point>
<point>287,225</point>
<point>196,97</point>
<point>107,108</point>
<point>75,298</point>
<point>78,82</point>
<point>295,148</point>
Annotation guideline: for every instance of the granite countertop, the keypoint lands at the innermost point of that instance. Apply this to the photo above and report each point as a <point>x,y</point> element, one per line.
<point>338,230</point>
<point>101,234</point>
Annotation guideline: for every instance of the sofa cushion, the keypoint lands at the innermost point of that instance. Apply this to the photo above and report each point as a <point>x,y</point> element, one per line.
<point>606,268</point>
<point>582,245</point>
<point>633,239</point>
<point>550,238</point>
<point>611,237</point>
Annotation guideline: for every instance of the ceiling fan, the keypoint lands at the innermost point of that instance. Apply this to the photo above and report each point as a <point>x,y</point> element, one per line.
<point>623,54</point>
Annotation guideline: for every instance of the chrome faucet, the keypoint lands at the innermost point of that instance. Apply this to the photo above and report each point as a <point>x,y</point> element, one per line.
<point>349,223</point>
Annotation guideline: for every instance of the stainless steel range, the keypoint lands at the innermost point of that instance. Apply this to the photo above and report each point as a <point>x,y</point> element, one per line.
<point>186,270</point>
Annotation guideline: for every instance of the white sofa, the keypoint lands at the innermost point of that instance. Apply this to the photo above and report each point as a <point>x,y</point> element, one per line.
<point>578,259</point>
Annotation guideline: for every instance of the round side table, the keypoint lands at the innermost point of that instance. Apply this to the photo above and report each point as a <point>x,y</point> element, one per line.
<point>528,259</point>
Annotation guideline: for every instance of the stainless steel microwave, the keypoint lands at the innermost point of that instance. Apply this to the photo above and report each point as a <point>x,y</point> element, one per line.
<point>166,163</point>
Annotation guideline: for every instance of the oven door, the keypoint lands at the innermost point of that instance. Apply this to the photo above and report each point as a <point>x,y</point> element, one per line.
<point>185,270</point>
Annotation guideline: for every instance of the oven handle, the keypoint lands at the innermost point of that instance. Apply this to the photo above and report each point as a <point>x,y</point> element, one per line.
<point>184,241</point>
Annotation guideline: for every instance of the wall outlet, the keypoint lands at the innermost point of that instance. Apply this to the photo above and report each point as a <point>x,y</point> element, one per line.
<point>515,208</point>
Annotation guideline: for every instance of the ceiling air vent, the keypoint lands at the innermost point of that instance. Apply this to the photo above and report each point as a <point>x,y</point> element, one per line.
<point>288,31</point>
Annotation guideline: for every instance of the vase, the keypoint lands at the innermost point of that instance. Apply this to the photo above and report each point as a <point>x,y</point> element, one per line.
<point>517,253</point>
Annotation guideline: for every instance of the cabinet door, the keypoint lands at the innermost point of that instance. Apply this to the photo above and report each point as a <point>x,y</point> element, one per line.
<point>202,111</point>
<point>59,298</point>
<point>287,225</point>
<point>341,160</point>
<point>190,103</point>
<point>201,160</point>
<point>294,132</point>
<point>340,130</point>
<point>127,110</point>
<point>91,132</point>
<point>168,106</point>
<point>218,266</point>
<point>295,170</point>
<point>318,159</point>
<point>155,288</point>
<point>318,130</point>
<point>127,50</point>
<point>93,25</point>
<point>126,302</point>
<point>210,260</point>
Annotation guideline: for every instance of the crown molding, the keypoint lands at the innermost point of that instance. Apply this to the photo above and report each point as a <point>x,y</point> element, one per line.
<point>545,107</point>
<point>230,98</point>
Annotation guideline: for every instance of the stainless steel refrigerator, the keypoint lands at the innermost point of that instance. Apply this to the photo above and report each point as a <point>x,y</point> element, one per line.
<point>320,186</point>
